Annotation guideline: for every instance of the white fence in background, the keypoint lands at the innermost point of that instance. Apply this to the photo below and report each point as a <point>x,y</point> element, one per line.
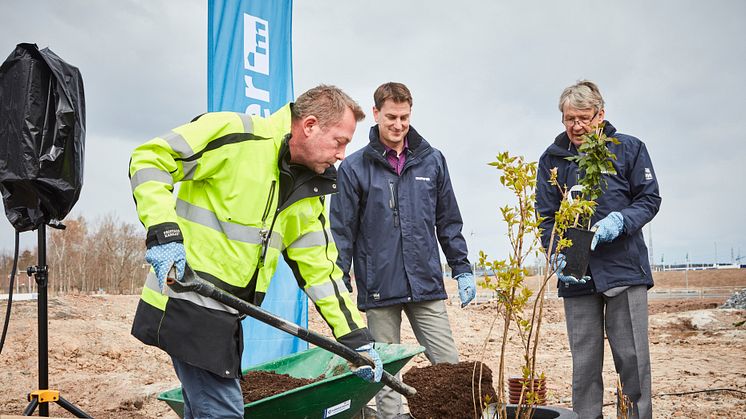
<point>21,297</point>
<point>484,296</point>
<point>692,293</point>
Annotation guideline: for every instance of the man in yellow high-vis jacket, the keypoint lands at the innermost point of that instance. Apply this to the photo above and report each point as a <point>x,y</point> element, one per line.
<point>251,188</point>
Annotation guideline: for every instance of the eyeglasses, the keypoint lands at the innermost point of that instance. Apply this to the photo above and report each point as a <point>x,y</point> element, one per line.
<point>583,121</point>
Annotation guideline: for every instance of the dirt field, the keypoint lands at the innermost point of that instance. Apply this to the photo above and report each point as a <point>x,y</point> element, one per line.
<point>99,367</point>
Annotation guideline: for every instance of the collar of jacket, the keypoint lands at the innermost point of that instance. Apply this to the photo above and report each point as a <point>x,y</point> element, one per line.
<point>417,146</point>
<point>298,182</point>
<point>562,146</point>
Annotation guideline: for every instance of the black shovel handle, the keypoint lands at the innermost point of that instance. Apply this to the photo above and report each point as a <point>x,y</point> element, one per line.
<point>191,282</point>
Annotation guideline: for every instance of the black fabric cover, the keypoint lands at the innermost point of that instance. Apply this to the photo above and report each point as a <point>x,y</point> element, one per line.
<point>42,136</point>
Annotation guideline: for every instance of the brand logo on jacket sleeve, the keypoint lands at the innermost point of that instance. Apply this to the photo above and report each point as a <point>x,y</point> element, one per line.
<point>648,174</point>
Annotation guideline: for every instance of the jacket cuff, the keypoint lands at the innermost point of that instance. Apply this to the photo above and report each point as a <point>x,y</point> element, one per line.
<point>626,224</point>
<point>163,233</point>
<point>356,338</point>
<point>460,270</point>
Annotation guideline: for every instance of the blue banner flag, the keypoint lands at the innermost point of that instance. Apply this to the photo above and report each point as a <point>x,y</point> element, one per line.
<point>250,70</point>
<point>249,57</point>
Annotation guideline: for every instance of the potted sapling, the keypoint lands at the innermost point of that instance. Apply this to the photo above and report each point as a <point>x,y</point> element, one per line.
<point>594,160</point>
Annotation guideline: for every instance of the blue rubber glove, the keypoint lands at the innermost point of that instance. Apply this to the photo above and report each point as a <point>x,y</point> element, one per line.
<point>467,288</point>
<point>607,229</point>
<point>163,256</point>
<point>366,372</point>
<point>558,263</point>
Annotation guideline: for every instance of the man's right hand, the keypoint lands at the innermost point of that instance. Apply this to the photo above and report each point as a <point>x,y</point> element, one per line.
<point>558,263</point>
<point>164,256</point>
<point>366,372</point>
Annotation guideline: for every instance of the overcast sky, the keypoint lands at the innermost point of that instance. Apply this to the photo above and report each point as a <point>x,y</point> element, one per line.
<point>485,75</point>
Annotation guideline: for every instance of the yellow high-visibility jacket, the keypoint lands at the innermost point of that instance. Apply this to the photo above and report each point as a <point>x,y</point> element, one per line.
<point>240,204</point>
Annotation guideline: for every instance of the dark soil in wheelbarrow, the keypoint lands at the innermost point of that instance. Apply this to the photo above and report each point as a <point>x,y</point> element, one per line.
<point>446,390</point>
<point>257,385</point>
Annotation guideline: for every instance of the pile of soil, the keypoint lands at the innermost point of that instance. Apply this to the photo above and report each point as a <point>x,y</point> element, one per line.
<point>445,390</point>
<point>257,385</point>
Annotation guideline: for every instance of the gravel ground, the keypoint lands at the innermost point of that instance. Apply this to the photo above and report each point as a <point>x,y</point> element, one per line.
<point>696,349</point>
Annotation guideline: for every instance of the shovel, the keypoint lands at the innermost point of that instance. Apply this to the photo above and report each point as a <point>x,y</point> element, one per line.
<point>191,282</point>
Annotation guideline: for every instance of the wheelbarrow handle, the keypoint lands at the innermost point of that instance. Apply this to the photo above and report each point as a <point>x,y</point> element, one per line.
<point>191,282</point>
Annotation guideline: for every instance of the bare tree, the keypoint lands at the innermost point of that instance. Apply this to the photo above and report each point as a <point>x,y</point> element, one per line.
<point>65,249</point>
<point>109,257</point>
<point>120,248</point>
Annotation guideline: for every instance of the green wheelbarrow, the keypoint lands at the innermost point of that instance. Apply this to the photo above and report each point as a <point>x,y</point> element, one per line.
<point>339,394</point>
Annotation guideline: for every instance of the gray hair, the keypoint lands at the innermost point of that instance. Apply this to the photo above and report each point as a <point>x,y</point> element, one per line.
<point>582,95</point>
<point>327,103</point>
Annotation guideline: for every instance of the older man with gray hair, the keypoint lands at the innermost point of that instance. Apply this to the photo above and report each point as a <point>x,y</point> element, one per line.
<point>612,298</point>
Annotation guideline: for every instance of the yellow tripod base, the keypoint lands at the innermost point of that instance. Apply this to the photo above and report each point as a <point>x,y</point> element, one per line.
<point>44,396</point>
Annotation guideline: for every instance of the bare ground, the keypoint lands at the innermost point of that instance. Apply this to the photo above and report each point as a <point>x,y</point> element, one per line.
<point>99,367</point>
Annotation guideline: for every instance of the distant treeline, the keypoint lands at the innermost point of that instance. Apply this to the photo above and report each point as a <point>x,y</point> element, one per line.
<point>107,256</point>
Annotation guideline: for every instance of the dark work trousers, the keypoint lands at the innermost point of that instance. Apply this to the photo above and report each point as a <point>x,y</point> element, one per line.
<point>206,395</point>
<point>624,319</point>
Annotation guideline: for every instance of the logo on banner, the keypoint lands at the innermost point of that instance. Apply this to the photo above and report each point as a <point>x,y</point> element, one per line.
<point>256,63</point>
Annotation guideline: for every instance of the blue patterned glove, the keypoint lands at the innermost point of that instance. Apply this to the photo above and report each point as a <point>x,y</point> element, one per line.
<point>558,263</point>
<point>467,288</point>
<point>366,372</point>
<point>163,256</point>
<point>607,229</point>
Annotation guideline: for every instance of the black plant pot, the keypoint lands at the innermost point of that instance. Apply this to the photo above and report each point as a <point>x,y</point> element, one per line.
<point>540,412</point>
<point>579,254</point>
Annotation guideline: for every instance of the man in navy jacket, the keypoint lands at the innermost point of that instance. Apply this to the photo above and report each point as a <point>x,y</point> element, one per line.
<point>612,298</point>
<point>395,204</point>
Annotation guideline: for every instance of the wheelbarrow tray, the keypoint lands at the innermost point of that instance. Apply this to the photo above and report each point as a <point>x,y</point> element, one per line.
<point>339,394</point>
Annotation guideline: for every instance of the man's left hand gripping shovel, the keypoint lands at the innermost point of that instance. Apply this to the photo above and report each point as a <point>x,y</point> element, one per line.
<point>191,282</point>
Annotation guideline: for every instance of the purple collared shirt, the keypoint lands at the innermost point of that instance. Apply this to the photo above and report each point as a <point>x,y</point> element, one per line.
<point>397,162</point>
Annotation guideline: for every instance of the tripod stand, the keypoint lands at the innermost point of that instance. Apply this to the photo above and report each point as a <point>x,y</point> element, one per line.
<point>43,396</point>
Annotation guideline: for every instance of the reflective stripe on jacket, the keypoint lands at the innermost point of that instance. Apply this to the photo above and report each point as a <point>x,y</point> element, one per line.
<point>633,191</point>
<point>240,205</point>
<point>391,224</point>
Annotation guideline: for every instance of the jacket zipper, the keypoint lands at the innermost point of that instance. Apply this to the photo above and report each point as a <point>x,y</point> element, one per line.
<point>393,204</point>
<point>264,233</point>
<point>265,243</point>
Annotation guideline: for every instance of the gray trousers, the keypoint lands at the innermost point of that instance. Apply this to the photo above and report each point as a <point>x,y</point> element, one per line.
<point>624,318</point>
<point>430,325</point>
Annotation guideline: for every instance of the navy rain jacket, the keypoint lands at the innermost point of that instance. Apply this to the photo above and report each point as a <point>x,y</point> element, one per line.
<point>633,191</point>
<point>391,224</point>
